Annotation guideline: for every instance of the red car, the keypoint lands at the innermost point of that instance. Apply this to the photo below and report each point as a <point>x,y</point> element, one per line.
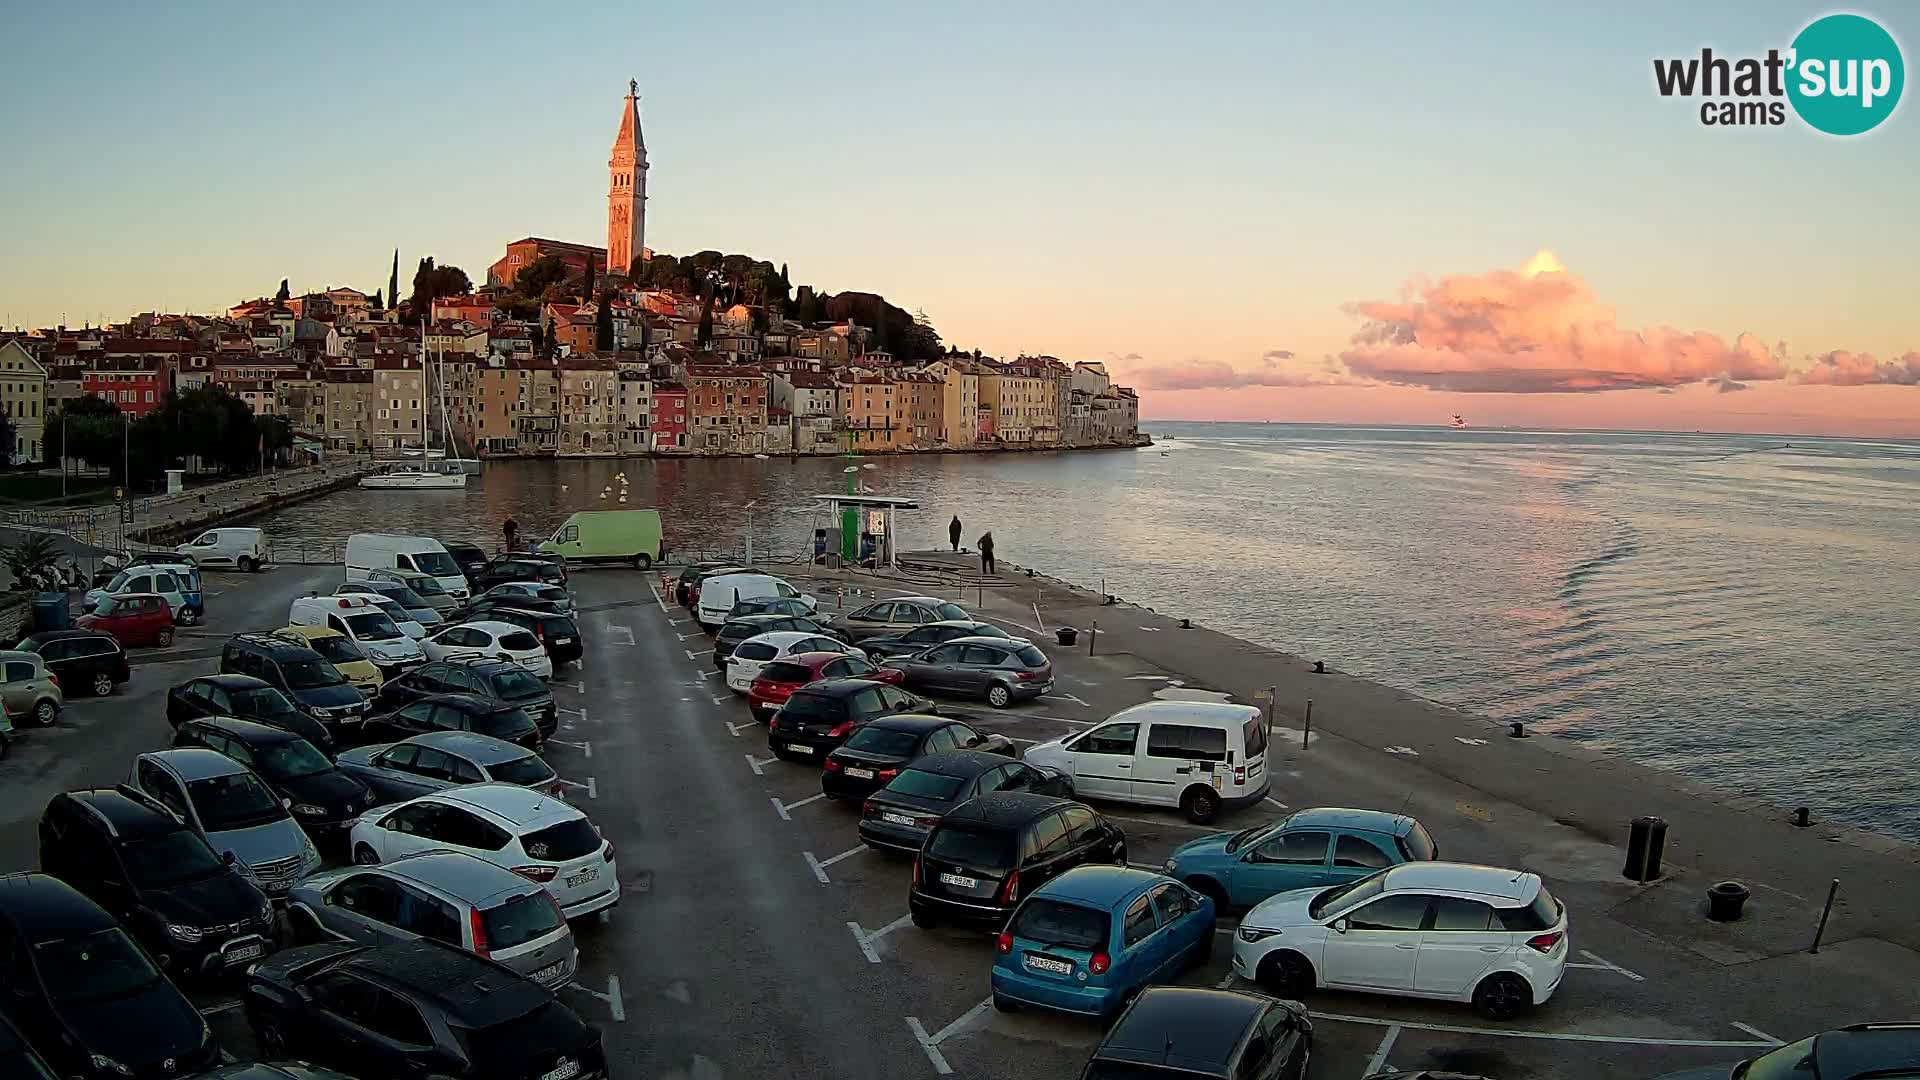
<point>780,678</point>
<point>133,619</point>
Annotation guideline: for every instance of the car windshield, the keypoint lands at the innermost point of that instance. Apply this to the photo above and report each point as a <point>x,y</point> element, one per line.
<point>372,626</point>
<point>437,563</point>
<point>560,843</point>
<point>294,759</point>
<point>119,582</point>
<point>971,847</point>
<point>403,596</point>
<point>1031,656</point>
<point>527,771</point>
<point>426,586</point>
<point>1069,926</point>
<point>103,964</point>
<point>262,701</point>
<point>782,672</point>
<point>512,1046</point>
<point>520,920</point>
<point>1342,897</point>
<point>310,674</point>
<point>390,606</point>
<point>1419,844</point>
<point>879,740</point>
<point>551,592</point>
<point>516,684</point>
<point>950,611</point>
<point>813,707</point>
<point>169,859</point>
<point>234,801</point>
<point>511,725</point>
<point>336,650</point>
<point>925,785</point>
<point>520,642</point>
<point>1251,833</point>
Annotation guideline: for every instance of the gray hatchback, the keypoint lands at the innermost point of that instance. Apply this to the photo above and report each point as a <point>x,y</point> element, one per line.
<point>1002,670</point>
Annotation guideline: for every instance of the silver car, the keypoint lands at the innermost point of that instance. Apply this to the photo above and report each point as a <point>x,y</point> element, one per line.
<point>533,590</point>
<point>233,810</point>
<point>437,760</point>
<point>1002,670</point>
<point>449,896</point>
<point>29,689</point>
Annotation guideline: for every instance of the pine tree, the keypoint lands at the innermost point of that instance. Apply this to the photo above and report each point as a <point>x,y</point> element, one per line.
<point>393,279</point>
<point>284,292</point>
<point>603,325</point>
<point>704,337</point>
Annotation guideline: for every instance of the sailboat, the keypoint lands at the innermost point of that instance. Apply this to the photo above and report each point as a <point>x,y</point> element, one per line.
<point>409,477</point>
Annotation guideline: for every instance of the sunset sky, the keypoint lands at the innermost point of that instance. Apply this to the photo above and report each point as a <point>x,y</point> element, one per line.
<point>1258,211</point>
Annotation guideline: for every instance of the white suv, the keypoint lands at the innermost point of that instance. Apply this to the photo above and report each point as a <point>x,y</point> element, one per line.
<point>534,835</point>
<point>1494,937</point>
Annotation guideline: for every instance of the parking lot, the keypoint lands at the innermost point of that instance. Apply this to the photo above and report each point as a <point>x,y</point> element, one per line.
<point>756,937</point>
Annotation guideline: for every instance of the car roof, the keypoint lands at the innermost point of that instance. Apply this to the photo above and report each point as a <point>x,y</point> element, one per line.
<point>1493,882</point>
<point>487,663</point>
<point>1340,817</point>
<point>128,814</point>
<point>1182,1026</point>
<point>467,876</point>
<point>468,703</point>
<point>57,635</point>
<point>1100,886</point>
<point>1865,1049</point>
<point>954,622</point>
<point>491,626</point>
<point>230,681</point>
<point>758,618</point>
<point>784,637</point>
<point>1223,713</point>
<point>478,748</point>
<point>531,613</point>
<point>20,654</point>
<point>522,806</point>
<point>992,642</point>
<point>960,762</point>
<point>44,908</point>
<point>247,731</point>
<point>816,659</point>
<point>311,633</point>
<point>1004,808</point>
<point>837,688</point>
<point>196,762</point>
<point>914,722</point>
<point>137,596</point>
<point>277,646</point>
<point>478,993</point>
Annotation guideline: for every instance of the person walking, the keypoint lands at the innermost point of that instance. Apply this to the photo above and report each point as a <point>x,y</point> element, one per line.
<point>986,553</point>
<point>953,533</point>
<point>511,530</point>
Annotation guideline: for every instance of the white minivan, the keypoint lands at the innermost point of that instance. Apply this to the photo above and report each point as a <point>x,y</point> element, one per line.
<point>1201,756</point>
<point>407,554</point>
<point>390,649</point>
<point>242,549</point>
<point>718,594</point>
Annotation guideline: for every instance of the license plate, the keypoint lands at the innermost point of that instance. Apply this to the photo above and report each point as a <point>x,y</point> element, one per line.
<point>1048,963</point>
<point>563,641</point>
<point>551,973</point>
<point>246,952</point>
<point>566,1070</point>
<point>582,877</point>
<point>799,748</point>
<point>896,819</point>
<point>860,774</point>
<point>957,879</point>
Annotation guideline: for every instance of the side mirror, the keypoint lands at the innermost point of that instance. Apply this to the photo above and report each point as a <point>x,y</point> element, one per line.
<point>1340,926</point>
<point>226,858</point>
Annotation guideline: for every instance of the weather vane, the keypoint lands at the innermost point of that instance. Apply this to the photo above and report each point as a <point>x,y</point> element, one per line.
<point>633,87</point>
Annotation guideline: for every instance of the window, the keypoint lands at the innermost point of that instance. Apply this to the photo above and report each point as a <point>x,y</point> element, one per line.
<point>397,1019</point>
<point>1186,743</point>
<point>428,917</point>
<point>1139,924</point>
<point>981,656</point>
<point>1111,739</point>
<point>19,670</point>
<point>432,764</point>
<point>1403,911</point>
<point>1173,902</point>
<point>1048,836</point>
<point>1355,853</point>
<point>1454,913</point>
<point>1297,849</point>
<point>370,896</point>
<point>1542,914</point>
<point>1082,825</point>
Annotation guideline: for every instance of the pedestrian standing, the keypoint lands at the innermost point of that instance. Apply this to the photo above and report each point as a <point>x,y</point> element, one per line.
<point>510,529</point>
<point>953,533</point>
<point>986,553</point>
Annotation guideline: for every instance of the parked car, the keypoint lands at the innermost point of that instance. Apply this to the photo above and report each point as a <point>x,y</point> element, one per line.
<point>1493,937</point>
<point>18,1059</point>
<point>131,619</point>
<point>7,733</point>
<point>738,630</point>
<point>518,566</point>
<point>1194,1033</point>
<point>425,586</point>
<point>500,680</point>
<point>157,877</point>
<point>403,619</point>
<point>470,558</point>
<point>536,836</point>
<point>232,810</point>
<point>557,633</point>
<point>684,585</point>
<point>1201,756</point>
<point>773,605</point>
<point>609,536</point>
<point>437,760</point>
<point>719,592</point>
<point>490,640</point>
<point>407,554</point>
<point>1304,850</point>
<point>366,625</point>
<point>900,815</point>
<point>406,607</point>
<point>747,659</point>
<point>777,681</point>
<point>895,616</point>
<point>819,717</point>
<point>260,1070</point>
<point>84,994</point>
<point>246,698</point>
<point>177,583</point>
<point>457,712</point>
<point>1857,1051</point>
<point>1000,670</point>
<point>445,896</point>
<point>872,756</point>
<point>926,636</point>
<point>324,798</point>
<point>29,689</point>
<point>84,660</point>
<point>986,853</point>
<point>532,590</point>
<point>300,673</point>
<point>417,1009</point>
<point>1089,940</point>
<point>339,650</point>
<point>241,548</point>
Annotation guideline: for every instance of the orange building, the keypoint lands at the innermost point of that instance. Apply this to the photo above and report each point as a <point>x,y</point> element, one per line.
<point>876,419</point>
<point>521,253</point>
<point>727,408</point>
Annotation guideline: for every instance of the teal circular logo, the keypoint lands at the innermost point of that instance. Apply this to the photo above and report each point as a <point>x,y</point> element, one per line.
<point>1846,74</point>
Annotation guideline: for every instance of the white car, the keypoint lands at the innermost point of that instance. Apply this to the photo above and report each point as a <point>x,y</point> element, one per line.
<point>748,657</point>
<point>1493,937</point>
<point>536,836</point>
<point>394,611</point>
<point>491,641</point>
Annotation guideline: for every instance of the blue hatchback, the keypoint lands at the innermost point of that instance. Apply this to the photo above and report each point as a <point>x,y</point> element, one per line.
<point>1326,846</point>
<point>1090,939</point>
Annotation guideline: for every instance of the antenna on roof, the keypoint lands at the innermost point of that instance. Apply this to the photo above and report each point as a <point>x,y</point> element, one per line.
<point>1403,802</point>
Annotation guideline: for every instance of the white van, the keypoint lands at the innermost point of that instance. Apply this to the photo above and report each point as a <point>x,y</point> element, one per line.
<point>1201,756</point>
<point>718,594</point>
<point>243,549</point>
<point>385,644</point>
<point>407,554</point>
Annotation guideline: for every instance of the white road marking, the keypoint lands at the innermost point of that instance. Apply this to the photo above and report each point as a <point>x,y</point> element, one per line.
<point>954,1028</point>
<point>612,997</point>
<point>1610,965</point>
<point>708,674</point>
<point>623,631</point>
<point>718,700</point>
<point>1226,981</point>
<point>1164,824</point>
<point>1069,697</point>
<point>1757,1033</point>
<point>1043,716</point>
<point>581,713</point>
<point>576,687</point>
<point>584,747</point>
<point>1550,1036</point>
<point>1148,678</point>
<point>755,763</point>
<point>819,866</point>
<point>1379,1059</point>
<point>691,655</point>
<point>1406,750</point>
<point>1021,625</point>
<point>734,729</point>
<point>1469,742</point>
<point>593,790</point>
<point>782,808</point>
<point>933,1052</point>
<point>1276,802</point>
<point>860,939</point>
<point>656,597</point>
<point>695,634</point>
<point>1151,629</point>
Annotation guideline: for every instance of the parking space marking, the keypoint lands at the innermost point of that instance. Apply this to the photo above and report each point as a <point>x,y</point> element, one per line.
<point>1037,716</point>
<point>865,939</point>
<point>1550,1036</point>
<point>576,687</point>
<point>1603,962</point>
<point>695,634</point>
<point>708,674</point>
<point>734,729</point>
<point>691,655</point>
<point>926,1043</point>
<point>585,748</point>
<point>1068,697</point>
<point>615,1005</point>
<point>593,791</point>
<point>718,700</point>
<point>581,712</point>
<point>626,631</point>
<point>1276,802</point>
<point>819,866</point>
<point>755,763</point>
<point>1757,1033</point>
<point>1379,1059</point>
<point>782,808</point>
<point>657,599</point>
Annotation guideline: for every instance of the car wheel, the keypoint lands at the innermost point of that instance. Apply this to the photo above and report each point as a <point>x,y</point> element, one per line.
<point>1285,974</point>
<point>247,565</point>
<point>364,855</point>
<point>1502,996</point>
<point>1005,1005</point>
<point>1200,805</point>
<point>643,561</point>
<point>102,684</point>
<point>164,638</point>
<point>45,714</point>
<point>999,696</point>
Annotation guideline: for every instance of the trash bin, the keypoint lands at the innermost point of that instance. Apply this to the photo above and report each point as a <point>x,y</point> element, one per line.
<point>1066,635</point>
<point>1725,901</point>
<point>50,612</point>
<point>1646,842</point>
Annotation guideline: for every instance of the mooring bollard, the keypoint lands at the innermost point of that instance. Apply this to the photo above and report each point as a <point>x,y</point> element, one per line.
<point>1518,731</point>
<point>1801,817</point>
<point>1646,841</point>
<point>1093,634</point>
<point>1824,912</point>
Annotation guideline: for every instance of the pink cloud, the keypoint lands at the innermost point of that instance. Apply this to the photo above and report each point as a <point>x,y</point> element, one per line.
<point>1842,368</point>
<point>1218,375</point>
<point>1534,331</point>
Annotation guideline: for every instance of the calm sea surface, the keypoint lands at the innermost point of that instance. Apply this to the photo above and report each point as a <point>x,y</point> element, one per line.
<point>1740,609</point>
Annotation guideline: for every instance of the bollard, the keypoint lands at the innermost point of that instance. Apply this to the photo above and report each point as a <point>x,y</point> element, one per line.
<point>1093,634</point>
<point>1319,667</point>
<point>1646,841</point>
<point>1801,818</point>
<point>1825,911</point>
<point>1307,731</point>
<point>1518,731</point>
<point>1186,624</point>
<point>1725,901</point>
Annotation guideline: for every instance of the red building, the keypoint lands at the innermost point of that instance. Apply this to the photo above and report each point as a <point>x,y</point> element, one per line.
<point>137,386</point>
<point>521,253</point>
<point>669,418</point>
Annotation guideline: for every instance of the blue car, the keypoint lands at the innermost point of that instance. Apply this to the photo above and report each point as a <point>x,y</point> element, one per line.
<point>1312,848</point>
<point>1089,940</point>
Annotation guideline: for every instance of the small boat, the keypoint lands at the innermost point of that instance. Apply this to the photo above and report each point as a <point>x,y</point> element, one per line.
<point>1459,422</point>
<point>414,478</point>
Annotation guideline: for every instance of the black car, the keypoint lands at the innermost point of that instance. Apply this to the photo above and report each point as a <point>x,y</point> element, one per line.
<point>85,995</point>
<point>17,1059</point>
<point>483,607</point>
<point>457,712</point>
<point>900,815</point>
<point>872,756</point>
<point>307,679</point>
<point>501,680</point>
<point>989,852</point>
<point>1859,1050</point>
<point>157,877</point>
<point>692,575</point>
<point>922,638</point>
<point>326,800</point>
<point>735,631</point>
<point>818,717</point>
<point>518,566</point>
<point>85,661</point>
<point>1188,1032</point>
<point>470,557</point>
<point>246,698</point>
<point>416,1009</point>
<point>558,633</point>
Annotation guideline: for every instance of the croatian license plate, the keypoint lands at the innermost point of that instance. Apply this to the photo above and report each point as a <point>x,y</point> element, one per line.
<point>563,641</point>
<point>799,748</point>
<point>245,953</point>
<point>957,879</point>
<point>896,819</point>
<point>550,974</point>
<point>566,1070</point>
<point>1048,963</point>
<point>860,774</point>
<point>582,877</point>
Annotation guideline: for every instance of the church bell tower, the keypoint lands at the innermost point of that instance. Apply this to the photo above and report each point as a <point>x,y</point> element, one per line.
<point>627,189</point>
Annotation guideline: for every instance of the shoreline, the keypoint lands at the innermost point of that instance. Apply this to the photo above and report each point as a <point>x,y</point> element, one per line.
<point>1142,442</point>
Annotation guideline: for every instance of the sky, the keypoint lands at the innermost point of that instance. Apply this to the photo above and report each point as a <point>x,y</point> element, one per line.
<point>1350,213</point>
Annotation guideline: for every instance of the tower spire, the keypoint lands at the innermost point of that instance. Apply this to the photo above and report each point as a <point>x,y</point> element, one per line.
<point>627,187</point>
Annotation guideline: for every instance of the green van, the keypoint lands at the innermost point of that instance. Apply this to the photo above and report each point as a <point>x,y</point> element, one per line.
<point>591,536</point>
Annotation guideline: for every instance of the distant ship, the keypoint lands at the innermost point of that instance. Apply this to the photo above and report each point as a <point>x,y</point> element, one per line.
<point>1459,422</point>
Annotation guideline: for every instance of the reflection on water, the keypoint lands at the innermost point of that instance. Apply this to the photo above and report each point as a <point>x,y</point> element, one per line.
<point>1735,608</point>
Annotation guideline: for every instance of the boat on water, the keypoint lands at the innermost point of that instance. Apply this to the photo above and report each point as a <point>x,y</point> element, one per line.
<point>1459,422</point>
<point>415,478</point>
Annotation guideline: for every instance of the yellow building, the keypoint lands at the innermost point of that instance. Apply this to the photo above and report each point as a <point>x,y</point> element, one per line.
<point>959,402</point>
<point>23,396</point>
<point>874,415</point>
